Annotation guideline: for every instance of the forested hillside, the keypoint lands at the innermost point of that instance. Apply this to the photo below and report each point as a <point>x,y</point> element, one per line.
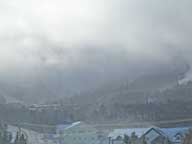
<point>172,103</point>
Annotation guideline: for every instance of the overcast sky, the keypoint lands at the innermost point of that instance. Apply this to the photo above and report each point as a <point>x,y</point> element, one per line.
<point>36,34</point>
<point>30,28</point>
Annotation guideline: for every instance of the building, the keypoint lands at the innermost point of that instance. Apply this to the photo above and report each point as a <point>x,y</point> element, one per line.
<point>176,135</point>
<point>81,133</point>
<point>152,135</point>
<point>40,107</point>
<point>155,136</point>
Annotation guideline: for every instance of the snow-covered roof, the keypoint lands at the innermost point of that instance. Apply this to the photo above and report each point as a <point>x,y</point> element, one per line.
<point>171,132</point>
<point>157,130</point>
<point>73,125</point>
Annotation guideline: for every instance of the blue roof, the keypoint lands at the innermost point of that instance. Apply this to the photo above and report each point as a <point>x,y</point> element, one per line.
<point>171,132</point>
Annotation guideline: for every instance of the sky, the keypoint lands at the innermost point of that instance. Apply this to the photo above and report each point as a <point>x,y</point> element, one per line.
<point>32,28</point>
<point>101,36</point>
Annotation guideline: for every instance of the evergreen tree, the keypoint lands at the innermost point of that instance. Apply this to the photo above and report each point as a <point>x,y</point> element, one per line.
<point>5,137</point>
<point>188,138</point>
<point>17,138</point>
<point>143,140</point>
<point>134,138</point>
<point>23,139</point>
<point>20,139</point>
<point>126,139</point>
<point>167,141</point>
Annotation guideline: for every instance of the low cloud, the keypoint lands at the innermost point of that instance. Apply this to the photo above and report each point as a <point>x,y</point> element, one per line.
<point>124,37</point>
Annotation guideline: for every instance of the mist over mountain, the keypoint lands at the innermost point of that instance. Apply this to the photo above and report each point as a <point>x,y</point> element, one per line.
<point>55,82</point>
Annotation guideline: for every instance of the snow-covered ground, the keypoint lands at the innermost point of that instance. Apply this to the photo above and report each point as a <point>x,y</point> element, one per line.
<point>32,136</point>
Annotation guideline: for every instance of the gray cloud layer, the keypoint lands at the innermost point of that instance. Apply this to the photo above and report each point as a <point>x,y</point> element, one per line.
<point>100,36</point>
<point>142,27</point>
